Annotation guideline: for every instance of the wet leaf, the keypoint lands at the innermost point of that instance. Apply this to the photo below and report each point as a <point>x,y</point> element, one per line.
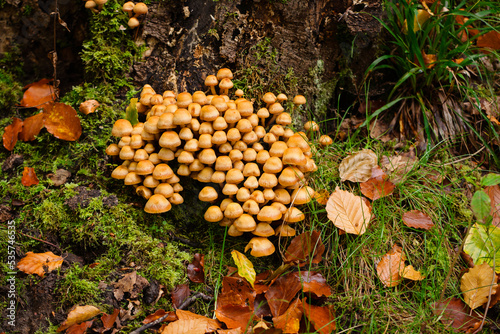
<point>305,247</point>
<point>358,166</point>
<point>245,266</point>
<point>108,320</point>
<point>390,265</point>
<point>191,323</point>
<point>158,314</point>
<point>348,211</point>
<point>32,127</point>
<point>482,243</point>
<point>131,112</point>
<point>377,186</point>
<point>282,292</point>
<point>455,313</point>
<point>409,272</point>
<point>195,269</point>
<point>11,133</point>
<point>417,219</point>
<point>289,322</point>
<point>79,328</point>
<point>321,317</point>
<point>477,284</point>
<point>88,107</point>
<point>38,93</point>
<point>62,121</point>
<point>491,180</point>
<point>481,205</point>
<point>39,263</point>
<point>29,177</point>
<point>79,314</point>
<point>180,293</point>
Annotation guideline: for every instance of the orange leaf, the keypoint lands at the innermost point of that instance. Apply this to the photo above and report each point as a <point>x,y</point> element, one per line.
<point>281,293</point>
<point>348,211</point>
<point>489,40</point>
<point>429,59</point>
<point>321,196</point>
<point>409,272</point>
<point>455,313</point>
<point>11,133</point>
<point>39,263</point>
<point>62,121</point>
<point>29,177</point>
<point>32,127</point>
<point>235,303</point>
<point>79,314</point>
<point>417,219</point>
<point>378,185</point>
<point>80,328</point>
<point>390,265</point>
<point>158,314</point>
<point>313,282</point>
<point>108,320</point>
<point>38,93</point>
<point>304,247</point>
<point>289,322</point>
<point>322,317</point>
<point>180,293</point>
<point>191,323</point>
<point>88,107</point>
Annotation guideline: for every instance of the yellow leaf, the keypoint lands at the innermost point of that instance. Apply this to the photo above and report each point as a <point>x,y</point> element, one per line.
<point>79,314</point>
<point>39,263</point>
<point>348,211</point>
<point>358,166</point>
<point>245,266</point>
<point>409,272</point>
<point>476,285</point>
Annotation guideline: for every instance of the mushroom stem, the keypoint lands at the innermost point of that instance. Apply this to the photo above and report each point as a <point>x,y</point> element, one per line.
<point>212,89</point>
<point>271,121</point>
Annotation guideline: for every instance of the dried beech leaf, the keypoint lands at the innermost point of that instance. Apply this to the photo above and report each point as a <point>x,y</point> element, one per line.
<point>398,166</point>
<point>29,177</point>
<point>108,320</point>
<point>79,328</point>
<point>409,272</point>
<point>313,282</point>
<point>79,314</point>
<point>304,247</point>
<point>417,219</point>
<point>32,127</point>
<point>321,196</point>
<point>321,317</point>
<point>390,265</point>
<point>358,166</point>
<point>88,107</point>
<point>38,93</point>
<point>191,323</point>
<point>235,304</point>
<point>348,211</point>
<point>62,121</point>
<point>11,133</point>
<point>378,185</point>
<point>289,322</point>
<point>282,292</point>
<point>245,266</point>
<point>180,293</point>
<point>195,271</point>
<point>476,285</point>
<point>39,263</point>
<point>489,40</point>
<point>455,313</point>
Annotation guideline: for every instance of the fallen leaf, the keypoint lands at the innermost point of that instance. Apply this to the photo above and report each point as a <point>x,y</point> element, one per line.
<point>245,266</point>
<point>180,293</point>
<point>38,93</point>
<point>11,133</point>
<point>31,127</point>
<point>377,186</point>
<point>358,166</point>
<point>88,107</point>
<point>195,270</point>
<point>39,263</point>
<point>29,177</point>
<point>79,314</point>
<point>59,177</point>
<point>417,219</point>
<point>390,265</point>
<point>108,320</point>
<point>131,112</point>
<point>398,166</point>
<point>191,323</point>
<point>305,248</point>
<point>289,322</point>
<point>481,243</point>
<point>348,211</point>
<point>493,193</point>
<point>313,282</point>
<point>235,303</point>
<point>455,313</point>
<point>430,60</point>
<point>476,285</point>
<point>79,328</point>
<point>491,179</point>
<point>62,121</point>
<point>282,292</point>
<point>160,313</point>
<point>409,272</point>
<point>490,40</point>
<point>321,196</point>
<point>481,205</point>
<point>321,317</point>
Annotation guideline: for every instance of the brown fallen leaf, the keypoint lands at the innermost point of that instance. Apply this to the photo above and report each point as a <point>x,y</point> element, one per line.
<point>390,265</point>
<point>11,133</point>
<point>430,60</point>
<point>191,323</point>
<point>289,322</point>
<point>493,193</point>
<point>409,272</point>
<point>417,219</point>
<point>358,166</point>
<point>455,313</point>
<point>195,271</point>
<point>38,93</point>
<point>88,107</point>
<point>321,317</point>
<point>180,293</point>
<point>490,40</point>
<point>305,248</point>
<point>313,282</point>
<point>39,263</point>
<point>79,328</point>
<point>235,304</point>
<point>348,211</point>
<point>108,320</point>
<point>397,166</point>
<point>59,177</point>
<point>62,121</point>
<point>158,314</point>
<point>321,196</point>
<point>79,314</point>
<point>282,292</point>
<point>476,285</point>
<point>29,177</point>
<point>32,127</point>
<point>377,186</point>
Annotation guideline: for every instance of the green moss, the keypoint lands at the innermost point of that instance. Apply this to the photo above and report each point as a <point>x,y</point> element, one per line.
<point>10,92</point>
<point>78,287</point>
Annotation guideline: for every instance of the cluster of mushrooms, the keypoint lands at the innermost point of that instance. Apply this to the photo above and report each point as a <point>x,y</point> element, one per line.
<point>254,165</point>
<point>95,5</point>
<point>134,10</point>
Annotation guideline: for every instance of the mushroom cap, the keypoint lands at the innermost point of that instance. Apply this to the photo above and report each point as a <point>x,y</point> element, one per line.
<point>269,213</point>
<point>120,172</point>
<point>219,137</point>
<point>249,154</point>
<point>209,113</point>
<point>263,113</point>
<point>90,4</point>
<point>140,8</point>
<point>290,176</point>
<point>165,189</point>
<point>113,150</point>
<point>127,153</point>
<point>213,214</point>
<point>263,230</point>
<point>325,140</point>
<point>232,115</point>
<point>218,177</point>
<point>225,83</point>
<point>251,169</point>
<point>281,97</point>
<point>293,215</point>
<point>122,127</point>
<point>225,148</point>
<point>219,123</point>
<point>157,203</point>
<point>205,140</point>
<point>250,137</point>
<point>299,100</point>
<point>182,117</point>
<point>224,73</point>
<point>225,202</point>
<point>268,194</point>
<point>258,196</point>
<point>205,174</point>
<point>199,97</point>
<point>280,206</point>
<point>294,156</point>
<point>229,189</point>
<point>144,192</point>
<point>183,170</point>
<point>245,108</point>
<point>207,156</point>
<point>233,210</point>
<point>245,223</point>
<point>276,108</point>
<point>185,157</point>
<point>176,199</point>
<point>133,22</point>
<point>268,180</point>
<point>140,155</point>
<point>166,121</point>
<point>163,172</point>
<point>233,135</point>
<point>273,165</point>
<point>262,157</point>
<point>311,126</point>
<point>223,163</point>
<point>186,134</point>
<point>234,176</point>
<point>235,155</point>
<point>233,231</point>
<point>211,80</point>
<point>260,131</point>
<point>132,178</point>
<point>243,194</point>
<point>251,182</point>
<point>170,139</point>
<point>144,167</point>
<point>244,125</point>
<point>277,149</point>
<point>282,196</point>
<point>251,207</point>
<point>151,125</point>
<point>150,182</point>
<point>260,247</point>
<point>124,141</point>
<point>208,194</point>
<point>166,154</point>
<point>285,231</point>
<point>196,166</point>
<point>128,7</point>
<point>269,98</point>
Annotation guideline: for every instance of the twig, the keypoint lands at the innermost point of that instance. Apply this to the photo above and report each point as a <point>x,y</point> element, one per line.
<point>29,236</point>
<point>183,306</point>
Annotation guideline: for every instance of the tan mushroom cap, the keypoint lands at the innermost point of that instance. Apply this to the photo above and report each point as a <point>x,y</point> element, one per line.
<point>128,7</point>
<point>263,230</point>
<point>294,156</point>
<point>251,169</point>
<point>280,206</point>
<point>150,182</point>
<point>268,180</point>
<point>205,140</point>
<point>218,177</point>
<point>182,117</point>
<point>164,189</point>
<point>122,127</point>
<point>262,157</point>
<point>166,154</point>
<point>200,98</point>
<point>225,202</point>
<point>251,207</point>
<point>205,175</point>
<point>302,195</point>
<point>120,173</point>
<point>226,222</point>
<point>113,150</point>
<point>260,247</point>
<point>157,203</point>
<point>144,167</point>
<point>299,100</point>
<point>235,155</point>
<point>140,8</point>
<point>282,196</point>
<point>176,199</point>
<point>219,137</point>
<point>184,99</point>
<point>208,194</point>
<point>133,22</point>
<point>245,108</point>
<point>233,210</point>
<point>224,73</point>
<point>258,196</point>
<point>230,189</point>
<point>127,153</point>
<point>140,155</point>
<point>144,192</point>
<point>245,223</point>
<point>269,98</point>
<point>311,126</point>
<point>269,213</point>
<point>163,172</point>
<point>293,215</point>
<point>325,140</point>
<point>233,231</point>
<point>273,165</point>
<point>243,194</point>
<point>166,121</point>
<point>285,231</point>
<point>207,156</point>
<point>170,139</point>
<point>251,182</point>
<point>278,149</point>
<point>234,176</point>
<point>213,214</point>
<point>132,178</point>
